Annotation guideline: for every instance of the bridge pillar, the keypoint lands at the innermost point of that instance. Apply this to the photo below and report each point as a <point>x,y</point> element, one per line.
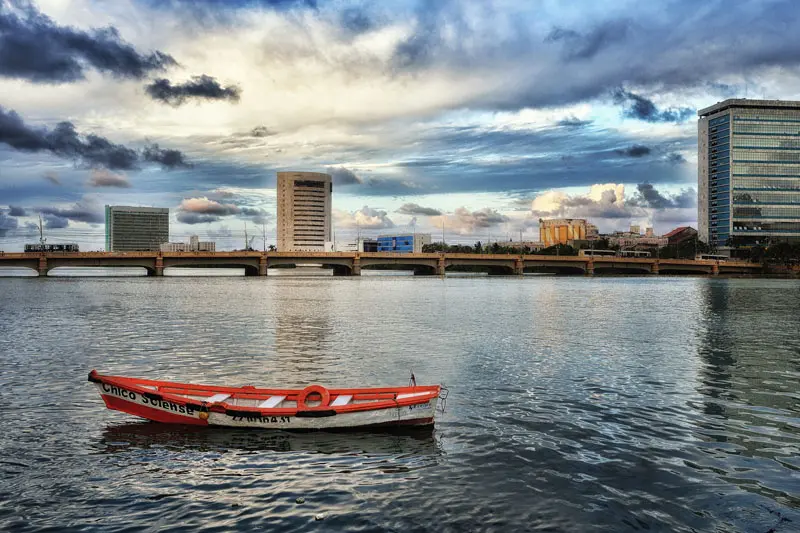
<point>654,269</point>
<point>440,266</point>
<point>356,271</point>
<point>42,265</point>
<point>159,271</point>
<point>519,266</point>
<point>715,269</point>
<point>262,265</point>
<point>590,268</point>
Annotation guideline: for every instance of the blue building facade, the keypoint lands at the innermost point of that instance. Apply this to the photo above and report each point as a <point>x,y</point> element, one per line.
<point>396,243</point>
<point>749,173</point>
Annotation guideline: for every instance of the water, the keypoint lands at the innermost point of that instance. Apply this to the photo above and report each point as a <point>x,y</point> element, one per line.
<point>576,404</point>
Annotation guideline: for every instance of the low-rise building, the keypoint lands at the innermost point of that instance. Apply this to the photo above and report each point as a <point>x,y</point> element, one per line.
<point>681,234</point>
<point>403,243</point>
<point>361,245</point>
<point>194,245</point>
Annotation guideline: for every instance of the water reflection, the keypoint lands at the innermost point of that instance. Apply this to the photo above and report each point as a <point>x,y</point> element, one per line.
<point>119,438</point>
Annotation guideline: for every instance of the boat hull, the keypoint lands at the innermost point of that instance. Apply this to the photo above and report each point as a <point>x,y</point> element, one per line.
<point>161,408</point>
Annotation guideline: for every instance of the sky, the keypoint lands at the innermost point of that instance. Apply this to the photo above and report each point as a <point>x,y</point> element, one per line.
<point>477,116</point>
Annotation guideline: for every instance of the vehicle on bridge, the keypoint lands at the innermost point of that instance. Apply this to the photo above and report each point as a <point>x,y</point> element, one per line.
<point>634,253</point>
<point>711,257</point>
<point>597,253</point>
<point>313,407</point>
<point>72,247</point>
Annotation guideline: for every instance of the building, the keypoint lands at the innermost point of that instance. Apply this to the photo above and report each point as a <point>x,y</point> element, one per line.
<point>680,234</point>
<point>561,231</point>
<point>748,172</point>
<point>304,211</point>
<point>361,245</point>
<point>136,229</point>
<point>592,232</point>
<point>403,243</point>
<point>195,245</point>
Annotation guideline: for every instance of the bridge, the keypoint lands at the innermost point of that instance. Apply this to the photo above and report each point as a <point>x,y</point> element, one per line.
<point>351,263</point>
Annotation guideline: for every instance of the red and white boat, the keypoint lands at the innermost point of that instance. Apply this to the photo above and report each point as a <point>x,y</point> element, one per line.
<point>313,407</point>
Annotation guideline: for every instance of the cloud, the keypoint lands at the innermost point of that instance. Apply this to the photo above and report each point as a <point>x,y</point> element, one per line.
<point>636,150</point>
<point>675,159</point>
<point>577,46</point>
<point>648,196</point>
<point>86,210</point>
<point>168,158</point>
<point>102,177</point>
<point>55,221</point>
<point>261,131</point>
<point>467,222</point>
<point>364,218</point>
<point>52,177</point>
<point>65,141</point>
<point>7,223</point>
<point>208,207</point>
<point>34,48</point>
<point>343,176</point>
<point>641,108</point>
<point>604,201</point>
<point>416,209</point>
<point>195,218</point>
<point>257,215</point>
<point>573,122</point>
<point>16,211</point>
<point>199,87</point>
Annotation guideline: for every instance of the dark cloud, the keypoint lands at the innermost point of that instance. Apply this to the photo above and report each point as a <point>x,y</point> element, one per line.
<point>199,87</point>
<point>55,221</point>
<point>34,48</point>
<point>52,177</point>
<point>355,20</point>
<point>641,108</point>
<point>675,159</point>
<point>343,176</point>
<point>16,211</point>
<point>166,157</point>
<point>256,214</point>
<point>573,122</point>
<point>585,46</point>
<point>636,150</point>
<point>195,218</point>
<point>261,131</point>
<point>7,223</point>
<point>648,196</point>
<point>64,141</point>
<point>416,209</point>
<point>102,177</point>
<point>85,210</point>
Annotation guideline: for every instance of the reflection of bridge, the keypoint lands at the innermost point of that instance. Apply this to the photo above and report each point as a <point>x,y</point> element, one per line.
<point>351,263</point>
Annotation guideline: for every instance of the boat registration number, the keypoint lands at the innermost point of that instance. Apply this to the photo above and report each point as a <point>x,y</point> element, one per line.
<point>263,419</point>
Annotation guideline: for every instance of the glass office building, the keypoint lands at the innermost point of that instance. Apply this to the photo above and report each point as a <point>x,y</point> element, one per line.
<point>749,172</point>
<point>136,229</point>
<point>403,243</point>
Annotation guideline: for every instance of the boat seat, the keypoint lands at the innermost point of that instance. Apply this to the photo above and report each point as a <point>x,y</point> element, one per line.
<point>342,399</point>
<point>411,395</point>
<point>221,397</point>
<point>272,401</point>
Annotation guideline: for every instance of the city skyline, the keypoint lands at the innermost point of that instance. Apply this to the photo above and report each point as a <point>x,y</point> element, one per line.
<point>489,115</point>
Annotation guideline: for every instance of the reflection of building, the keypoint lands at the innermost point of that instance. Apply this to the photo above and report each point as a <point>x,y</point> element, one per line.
<point>748,172</point>
<point>304,211</point>
<point>561,231</point>
<point>195,245</point>
<point>403,243</point>
<point>136,229</point>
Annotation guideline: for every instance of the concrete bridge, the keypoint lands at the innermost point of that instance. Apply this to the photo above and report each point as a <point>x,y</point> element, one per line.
<point>351,263</point>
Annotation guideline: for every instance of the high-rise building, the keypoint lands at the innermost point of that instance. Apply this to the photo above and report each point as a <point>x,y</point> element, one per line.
<point>748,172</point>
<point>304,211</point>
<point>561,231</point>
<point>136,229</point>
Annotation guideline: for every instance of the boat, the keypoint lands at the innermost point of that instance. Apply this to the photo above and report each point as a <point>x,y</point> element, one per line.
<point>313,407</point>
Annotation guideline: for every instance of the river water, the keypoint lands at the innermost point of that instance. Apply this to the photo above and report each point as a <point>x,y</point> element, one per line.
<point>576,404</point>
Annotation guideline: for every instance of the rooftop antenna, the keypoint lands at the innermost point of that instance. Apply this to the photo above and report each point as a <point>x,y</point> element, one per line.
<point>246,244</point>
<point>264,231</point>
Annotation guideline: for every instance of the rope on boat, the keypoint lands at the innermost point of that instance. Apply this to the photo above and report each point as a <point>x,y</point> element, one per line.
<point>443,392</point>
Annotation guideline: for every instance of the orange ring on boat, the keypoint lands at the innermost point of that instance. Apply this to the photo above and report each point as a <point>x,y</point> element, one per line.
<point>313,389</point>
